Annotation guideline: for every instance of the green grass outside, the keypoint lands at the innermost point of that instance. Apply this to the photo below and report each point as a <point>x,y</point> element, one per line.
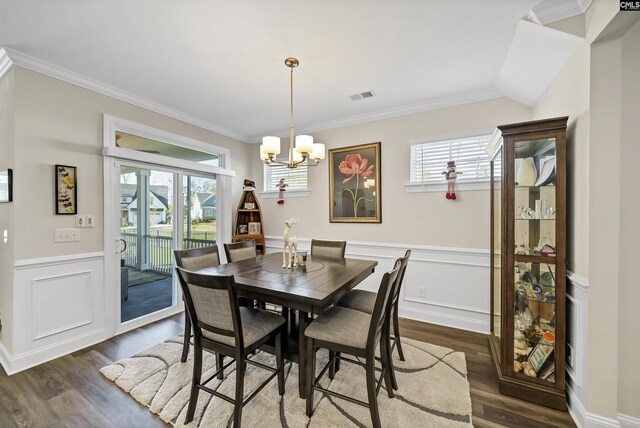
<point>198,231</point>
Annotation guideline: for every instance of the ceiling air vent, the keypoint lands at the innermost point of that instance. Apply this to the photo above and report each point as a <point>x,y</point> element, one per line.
<point>362,95</point>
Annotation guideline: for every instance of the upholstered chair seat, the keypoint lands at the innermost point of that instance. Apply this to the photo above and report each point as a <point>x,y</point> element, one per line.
<point>343,326</point>
<point>256,324</point>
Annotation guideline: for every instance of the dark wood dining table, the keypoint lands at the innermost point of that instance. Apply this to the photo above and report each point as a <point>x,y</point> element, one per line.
<point>302,291</point>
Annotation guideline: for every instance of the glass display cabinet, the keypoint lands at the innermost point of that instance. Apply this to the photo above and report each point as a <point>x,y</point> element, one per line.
<point>528,253</point>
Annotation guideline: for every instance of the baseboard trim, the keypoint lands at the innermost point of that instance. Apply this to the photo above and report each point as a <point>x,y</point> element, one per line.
<point>585,419</point>
<point>5,359</point>
<point>39,356</point>
<point>575,408</point>
<point>627,421</point>
<point>444,319</point>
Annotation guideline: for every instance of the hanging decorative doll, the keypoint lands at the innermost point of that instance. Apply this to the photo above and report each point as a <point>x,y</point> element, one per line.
<point>282,186</point>
<point>450,175</point>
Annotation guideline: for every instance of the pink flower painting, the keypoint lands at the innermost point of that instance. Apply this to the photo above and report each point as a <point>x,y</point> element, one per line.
<point>354,184</point>
<point>358,167</point>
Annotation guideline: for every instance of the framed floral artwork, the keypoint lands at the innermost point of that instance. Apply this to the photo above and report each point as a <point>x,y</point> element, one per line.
<point>66,191</point>
<point>354,184</point>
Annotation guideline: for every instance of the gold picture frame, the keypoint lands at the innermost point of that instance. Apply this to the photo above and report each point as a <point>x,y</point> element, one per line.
<point>354,184</point>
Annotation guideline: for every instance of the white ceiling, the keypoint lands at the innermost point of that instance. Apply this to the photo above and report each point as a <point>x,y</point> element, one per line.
<point>221,63</point>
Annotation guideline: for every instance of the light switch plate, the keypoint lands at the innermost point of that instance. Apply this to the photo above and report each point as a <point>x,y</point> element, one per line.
<point>80,221</point>
<point>66,235</point>
<point>89,221</point>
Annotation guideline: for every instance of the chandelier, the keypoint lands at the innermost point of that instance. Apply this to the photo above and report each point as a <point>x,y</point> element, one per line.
<point>304,148</point>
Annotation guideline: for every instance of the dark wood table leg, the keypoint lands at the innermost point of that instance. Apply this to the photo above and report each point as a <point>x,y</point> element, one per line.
<point>302,356</point>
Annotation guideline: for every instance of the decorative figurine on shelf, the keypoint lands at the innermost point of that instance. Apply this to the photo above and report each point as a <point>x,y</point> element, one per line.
<point>282,186</point>
<point>249,185</point>
<point>290,253</point>
<point>451,174</point>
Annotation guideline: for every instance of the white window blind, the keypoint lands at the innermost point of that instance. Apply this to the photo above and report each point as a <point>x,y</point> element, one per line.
<point>428,160</point>
<point>296,178</point>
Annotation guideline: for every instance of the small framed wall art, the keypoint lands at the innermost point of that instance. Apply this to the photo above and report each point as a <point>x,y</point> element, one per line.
<point>66,190</point>
<point>6,185</point>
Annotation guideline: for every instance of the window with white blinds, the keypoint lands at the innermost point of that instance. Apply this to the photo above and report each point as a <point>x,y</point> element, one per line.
<point>296,178</point>
<point>429,160</point>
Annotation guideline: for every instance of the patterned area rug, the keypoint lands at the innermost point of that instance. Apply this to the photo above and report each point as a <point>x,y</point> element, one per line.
<point>433,390</point>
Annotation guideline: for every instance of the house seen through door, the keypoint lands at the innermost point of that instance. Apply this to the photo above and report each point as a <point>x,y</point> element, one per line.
<point>159,211</point>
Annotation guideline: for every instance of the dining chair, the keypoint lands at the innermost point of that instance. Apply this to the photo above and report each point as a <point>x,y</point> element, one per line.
<point>239,251</point>
<point>328,249</point>
<point>353,332</point>
<point>194,259</point>
<point>364,301</point>
<point>222,326</point>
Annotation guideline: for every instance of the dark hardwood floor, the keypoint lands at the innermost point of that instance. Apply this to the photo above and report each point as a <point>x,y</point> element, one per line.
<point>70,391</point>
<point>490,408</point>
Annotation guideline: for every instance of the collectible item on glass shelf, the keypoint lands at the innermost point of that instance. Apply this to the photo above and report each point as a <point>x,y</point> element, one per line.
<point>542,351</point>
<point>527,174</point>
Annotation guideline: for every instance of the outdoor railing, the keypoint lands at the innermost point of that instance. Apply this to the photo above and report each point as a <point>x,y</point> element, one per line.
<point>160,251</point>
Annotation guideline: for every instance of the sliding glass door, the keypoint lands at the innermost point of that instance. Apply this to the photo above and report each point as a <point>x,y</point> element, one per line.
<point>159,209</point>
<point>146,213</point>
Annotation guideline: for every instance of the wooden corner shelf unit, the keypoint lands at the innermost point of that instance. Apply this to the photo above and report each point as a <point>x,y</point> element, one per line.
<point>248,223</point>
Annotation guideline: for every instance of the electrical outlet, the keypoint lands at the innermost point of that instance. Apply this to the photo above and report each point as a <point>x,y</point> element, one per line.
<point>570,356</point>
<point>422,292</point>
<point>80,221</point>
<point>89,221</point>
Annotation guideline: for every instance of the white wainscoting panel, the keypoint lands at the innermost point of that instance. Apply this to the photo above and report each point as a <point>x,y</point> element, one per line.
<point>455,280</point>
<point>60,308</point>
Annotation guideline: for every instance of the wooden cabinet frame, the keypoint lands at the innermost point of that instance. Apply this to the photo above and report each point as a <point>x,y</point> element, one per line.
<point>502,347</point>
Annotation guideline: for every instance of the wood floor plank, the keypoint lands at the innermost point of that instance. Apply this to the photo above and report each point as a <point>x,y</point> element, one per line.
<point>76,411</point>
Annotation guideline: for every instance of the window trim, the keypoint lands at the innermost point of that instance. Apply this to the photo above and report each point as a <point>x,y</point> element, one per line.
<point>472,185</point>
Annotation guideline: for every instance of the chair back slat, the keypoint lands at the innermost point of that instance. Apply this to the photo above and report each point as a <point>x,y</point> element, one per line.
<point>198,258</point>
<point>239,251</point>
<point>212,303</point>
<point>328,249</point>
<point>400,278</point>
<point>380,309</point>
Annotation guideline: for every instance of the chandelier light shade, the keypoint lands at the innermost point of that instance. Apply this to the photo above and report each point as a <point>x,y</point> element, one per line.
<point>305,148</point>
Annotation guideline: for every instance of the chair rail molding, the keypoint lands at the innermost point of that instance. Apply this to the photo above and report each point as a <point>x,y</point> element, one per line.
<point>443,285</point>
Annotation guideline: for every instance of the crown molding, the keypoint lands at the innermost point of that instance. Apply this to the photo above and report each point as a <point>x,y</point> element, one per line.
<point>51,70</point>
<point>432,104</point>
<point>5,62</point>
<point>556,10</point>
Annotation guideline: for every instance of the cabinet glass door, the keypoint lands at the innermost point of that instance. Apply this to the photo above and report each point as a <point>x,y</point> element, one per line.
<point>497,244</point>
<point>534,220</point>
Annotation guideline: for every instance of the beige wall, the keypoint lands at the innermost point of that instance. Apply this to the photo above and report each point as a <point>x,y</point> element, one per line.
<point>6,210</point>
<point>568,95</point>
<point>629,295</point>
<point>409,218</point>
<point>57,122</point>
